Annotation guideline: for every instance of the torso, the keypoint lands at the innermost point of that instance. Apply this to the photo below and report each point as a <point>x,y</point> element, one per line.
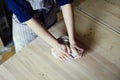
<point>41,4</point>
<point>45,8</point>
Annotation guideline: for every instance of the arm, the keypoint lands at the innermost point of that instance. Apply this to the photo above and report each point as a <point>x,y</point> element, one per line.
<point>24,13</point>
<point>46,36</point>
<point>70,24</point>
<point>69,21</point>
<point>42,32</point>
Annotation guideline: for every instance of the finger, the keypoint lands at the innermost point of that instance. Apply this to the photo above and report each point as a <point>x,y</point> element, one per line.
<point>64,52</point>
<point>64,57</point>
<point>82,52</point>
<point>79,53</point>
<point>81,49</point>
<point>68,57</point>
<point>75,51</point>
<point>60,58</point>
<point>64,49</point>
<point>68,49</point>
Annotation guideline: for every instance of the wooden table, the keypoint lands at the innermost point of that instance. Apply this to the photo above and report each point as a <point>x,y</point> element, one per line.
<point>35,61</point>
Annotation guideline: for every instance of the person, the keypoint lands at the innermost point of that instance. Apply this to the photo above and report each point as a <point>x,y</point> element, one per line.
<point>32,18</point>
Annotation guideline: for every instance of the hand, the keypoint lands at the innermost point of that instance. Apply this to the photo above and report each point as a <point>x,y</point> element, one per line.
<point>76,50</point>
<point>62,51</point>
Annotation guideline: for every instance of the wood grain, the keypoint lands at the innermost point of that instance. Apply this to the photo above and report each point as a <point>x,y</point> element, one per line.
<point>95,35</point>
<point>101,62</point>
<point>106,12</point>
<point>35,62</point>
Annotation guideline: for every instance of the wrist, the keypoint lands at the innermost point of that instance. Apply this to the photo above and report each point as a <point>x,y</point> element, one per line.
<point>72,41</point>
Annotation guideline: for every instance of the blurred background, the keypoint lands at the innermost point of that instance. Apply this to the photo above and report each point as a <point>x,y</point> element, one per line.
<point>6,41</point>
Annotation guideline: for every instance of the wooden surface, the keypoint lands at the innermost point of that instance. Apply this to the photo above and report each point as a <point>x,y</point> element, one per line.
<point>101,61</point>
<point>106,12</point>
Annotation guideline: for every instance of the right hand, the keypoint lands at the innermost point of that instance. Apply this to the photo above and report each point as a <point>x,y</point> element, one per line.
<point>62,51</point>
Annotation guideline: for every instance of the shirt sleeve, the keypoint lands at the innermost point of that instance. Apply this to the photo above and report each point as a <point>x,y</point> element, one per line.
<point>21,9</point>
<point>63,2</point>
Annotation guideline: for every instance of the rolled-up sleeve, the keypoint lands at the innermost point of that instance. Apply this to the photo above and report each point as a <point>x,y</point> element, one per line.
<point>21,9</point>
<point>63,2</point>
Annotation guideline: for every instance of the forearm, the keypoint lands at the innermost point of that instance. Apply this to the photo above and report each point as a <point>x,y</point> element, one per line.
<point>69,21</point>
<point>42,32</point>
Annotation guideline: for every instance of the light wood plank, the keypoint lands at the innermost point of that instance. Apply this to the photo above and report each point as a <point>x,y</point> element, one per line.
<point>106,12</point>
<point>36,63</point>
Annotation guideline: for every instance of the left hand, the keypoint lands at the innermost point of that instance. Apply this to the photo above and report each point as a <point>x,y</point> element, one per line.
<point>76,50</point>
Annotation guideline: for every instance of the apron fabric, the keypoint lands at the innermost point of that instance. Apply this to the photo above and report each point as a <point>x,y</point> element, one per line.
<point>44,13</point>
